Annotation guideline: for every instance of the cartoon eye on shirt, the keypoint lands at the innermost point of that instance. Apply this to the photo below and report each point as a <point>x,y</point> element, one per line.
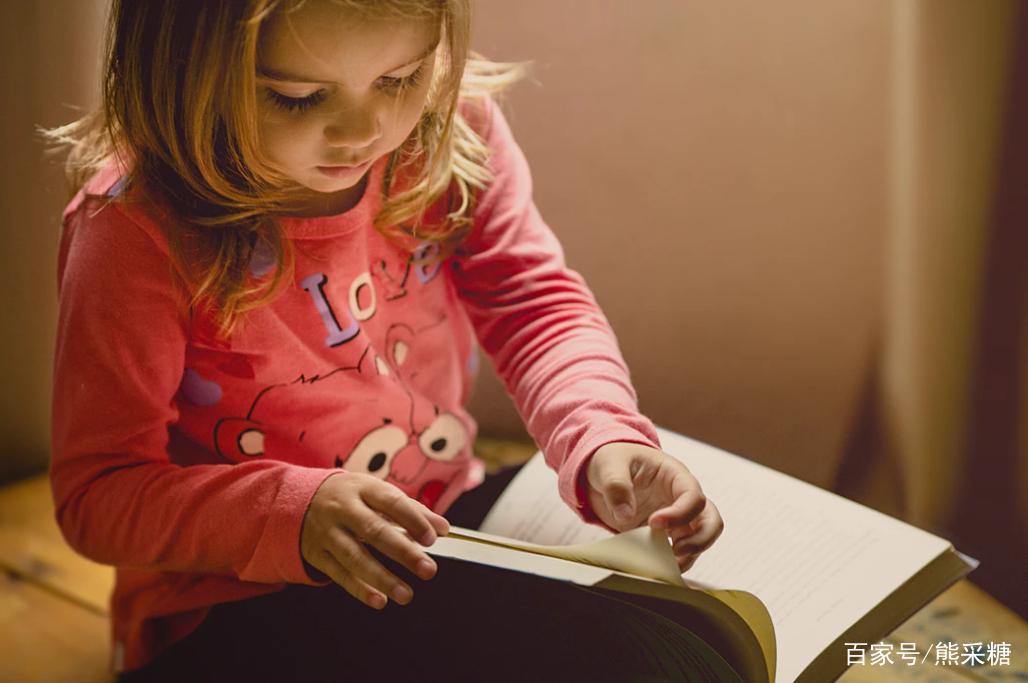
<point>251,442</point>
<point>375,451</point>
<point>430,459</point>
<point>393,453</point>
<point>441,442</point>
<point>239,439</point>
<point>444,439</point>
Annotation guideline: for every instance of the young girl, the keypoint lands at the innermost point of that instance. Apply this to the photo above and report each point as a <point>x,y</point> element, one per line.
<point>293,220</point>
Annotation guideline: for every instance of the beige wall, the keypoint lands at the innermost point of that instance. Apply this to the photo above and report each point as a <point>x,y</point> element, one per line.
<point>48,53</point>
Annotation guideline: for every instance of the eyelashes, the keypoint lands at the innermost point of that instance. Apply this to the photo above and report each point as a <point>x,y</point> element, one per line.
<point>295,104</point>
<point>395,86</point>
<point>389,85</point>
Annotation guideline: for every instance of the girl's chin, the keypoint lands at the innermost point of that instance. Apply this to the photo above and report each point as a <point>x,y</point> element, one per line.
<point>323,198</point>
<point>331,185</point>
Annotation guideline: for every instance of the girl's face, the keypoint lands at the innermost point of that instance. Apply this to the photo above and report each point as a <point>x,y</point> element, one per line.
<point>336,92</point>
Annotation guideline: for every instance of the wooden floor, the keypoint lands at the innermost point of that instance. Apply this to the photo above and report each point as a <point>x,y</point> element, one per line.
<point>54,627</point>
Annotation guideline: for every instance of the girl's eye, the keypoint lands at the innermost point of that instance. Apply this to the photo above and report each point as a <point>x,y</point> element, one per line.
<point>297,104</point>
<point>394,86</point>
<point>387,84</point>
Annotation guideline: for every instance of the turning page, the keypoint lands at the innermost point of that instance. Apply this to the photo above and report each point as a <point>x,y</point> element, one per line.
<point>818,561</point>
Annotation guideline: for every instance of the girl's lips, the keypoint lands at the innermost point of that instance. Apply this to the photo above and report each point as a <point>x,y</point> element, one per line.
<point>341,171</point>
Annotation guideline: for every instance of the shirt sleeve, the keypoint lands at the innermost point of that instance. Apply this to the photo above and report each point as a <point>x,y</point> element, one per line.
<point>119,361</point>
<point>541,326</point>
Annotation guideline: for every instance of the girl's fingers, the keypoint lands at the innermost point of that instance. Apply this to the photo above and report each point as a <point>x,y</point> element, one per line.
<point>371,597</point>
<point>355,560</point>
<point>710,527</point>
<point>370,528</point>
<point>422,524</point>
<point>681,512</point>
<point>685,562</point>
<point>696,525</point>
<point>438,522</point>
<point>612,479</point>
<point>690,547</point>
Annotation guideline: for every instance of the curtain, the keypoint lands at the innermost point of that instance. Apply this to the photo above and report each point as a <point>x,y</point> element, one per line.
<point>953,351</point>
<point>48,60</point>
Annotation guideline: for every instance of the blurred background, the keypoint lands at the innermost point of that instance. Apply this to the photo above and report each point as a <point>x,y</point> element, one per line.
<point>804,220</point>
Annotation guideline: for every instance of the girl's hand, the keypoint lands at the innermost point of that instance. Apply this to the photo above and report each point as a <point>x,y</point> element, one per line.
<point>630,484</point>
<point>351,509</point>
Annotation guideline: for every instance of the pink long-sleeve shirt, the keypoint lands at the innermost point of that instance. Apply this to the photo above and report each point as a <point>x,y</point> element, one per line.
<point>189,462</point>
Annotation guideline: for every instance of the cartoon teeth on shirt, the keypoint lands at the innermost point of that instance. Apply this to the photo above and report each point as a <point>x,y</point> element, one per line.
<point>412,443</point>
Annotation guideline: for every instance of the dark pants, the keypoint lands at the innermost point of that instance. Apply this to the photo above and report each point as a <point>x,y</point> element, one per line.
<point>469,623</point>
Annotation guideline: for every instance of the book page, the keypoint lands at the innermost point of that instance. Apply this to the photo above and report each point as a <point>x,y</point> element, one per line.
<point>707,662</point>
<point>818,561</point>
<point>459,548</point>
<point>641,552</point>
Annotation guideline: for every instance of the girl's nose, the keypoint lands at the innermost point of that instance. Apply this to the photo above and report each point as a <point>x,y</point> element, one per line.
<point>355,127</point>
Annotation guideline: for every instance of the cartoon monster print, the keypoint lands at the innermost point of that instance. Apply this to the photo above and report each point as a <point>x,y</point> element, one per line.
<point>412,443</point>
<point>403,455</point>
<point>371,416</point>
<point>428,448</point>
<point>239,439</point>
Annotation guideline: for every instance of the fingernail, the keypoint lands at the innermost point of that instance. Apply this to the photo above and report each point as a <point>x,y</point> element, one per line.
<point>623,511</point>
<point>402,594</point>
<point>428,538</point>
<point>378,601</point>
<point>426,569</point>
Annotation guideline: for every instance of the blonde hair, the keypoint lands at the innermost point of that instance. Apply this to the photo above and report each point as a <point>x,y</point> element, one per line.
<point>179,110</point>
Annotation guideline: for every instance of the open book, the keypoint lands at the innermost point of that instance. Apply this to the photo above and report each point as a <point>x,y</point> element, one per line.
<point>798,572</point>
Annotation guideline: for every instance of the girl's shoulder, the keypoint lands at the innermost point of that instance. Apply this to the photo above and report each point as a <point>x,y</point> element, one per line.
<point>504,159</point>
<point>109,205</point>
<point>485,117</point>
<point>107,183</point>
<point>477,112</point>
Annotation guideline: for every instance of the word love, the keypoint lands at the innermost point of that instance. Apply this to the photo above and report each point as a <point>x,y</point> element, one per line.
<point>362,300</point>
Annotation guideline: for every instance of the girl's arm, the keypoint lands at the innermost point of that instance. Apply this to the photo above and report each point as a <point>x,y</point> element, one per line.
<point>560,361</point>
<point>118,364</point>
<point>538,321</point>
